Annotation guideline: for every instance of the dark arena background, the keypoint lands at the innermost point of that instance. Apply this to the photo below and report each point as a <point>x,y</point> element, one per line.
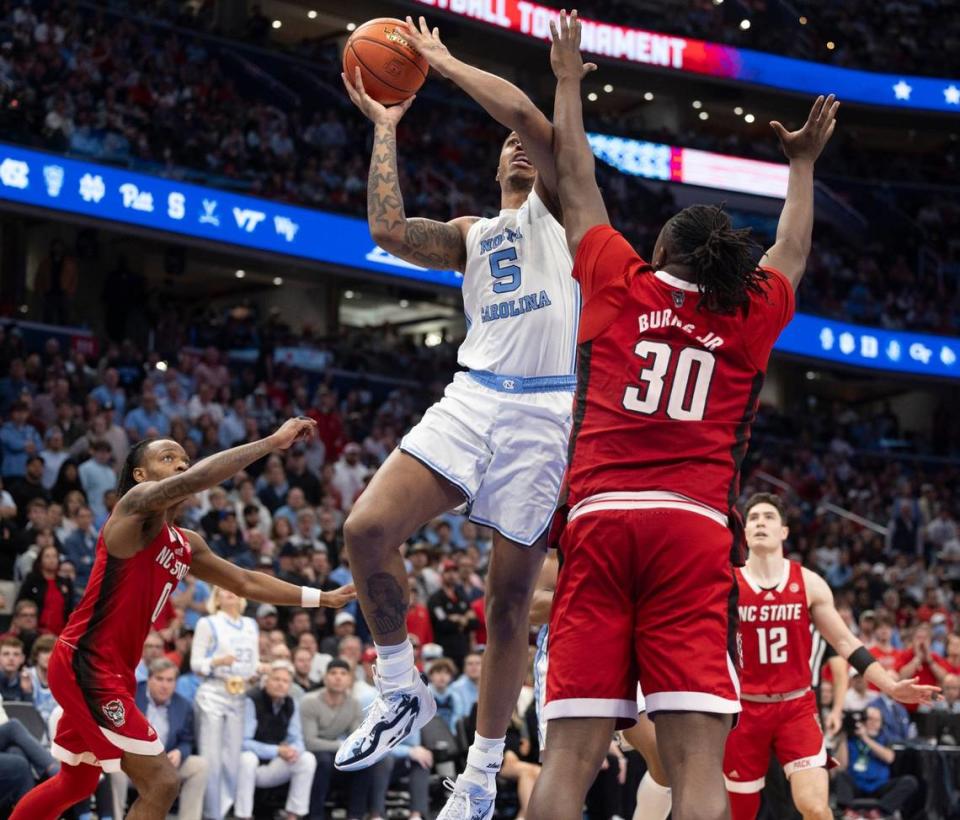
<point>184,253</point>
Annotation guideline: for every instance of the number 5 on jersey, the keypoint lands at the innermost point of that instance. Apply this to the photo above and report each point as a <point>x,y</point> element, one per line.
<point>686,401</point>
<point>507,277</point>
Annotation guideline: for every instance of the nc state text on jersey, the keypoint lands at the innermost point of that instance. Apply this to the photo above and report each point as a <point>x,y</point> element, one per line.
<point>167,560</point>
<point>656,319</point>
<point>771,612</point>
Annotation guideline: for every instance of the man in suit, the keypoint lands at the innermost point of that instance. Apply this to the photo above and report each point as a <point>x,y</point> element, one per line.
<point>171,715</point>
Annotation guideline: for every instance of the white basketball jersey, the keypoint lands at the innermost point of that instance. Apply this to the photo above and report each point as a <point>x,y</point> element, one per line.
<point>521,303</point>
<point>238,638</point>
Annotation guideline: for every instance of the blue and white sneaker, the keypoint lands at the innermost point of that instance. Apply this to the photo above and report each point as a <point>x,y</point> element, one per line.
<point>391,717</point>
<point>467,801</point>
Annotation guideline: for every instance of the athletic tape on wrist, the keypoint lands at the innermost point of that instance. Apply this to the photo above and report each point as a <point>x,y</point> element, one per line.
<point>309,597</point>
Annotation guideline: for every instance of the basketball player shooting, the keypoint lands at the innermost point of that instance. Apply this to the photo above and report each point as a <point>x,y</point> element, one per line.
<point>496,440</point>
<point>779,601</point>
<point>672,356</point>
<point>140,558</point>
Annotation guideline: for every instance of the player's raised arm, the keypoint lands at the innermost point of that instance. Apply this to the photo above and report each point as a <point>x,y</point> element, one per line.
<point>795,229</point>
<point>206,565</point>
<point>577,186</point>
<point>826,619</point>
<point>148,498</point>
<point>418,241</point>
<point>502,100</point>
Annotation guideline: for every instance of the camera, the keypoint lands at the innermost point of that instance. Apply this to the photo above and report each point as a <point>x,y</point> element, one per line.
<point>850,721</point>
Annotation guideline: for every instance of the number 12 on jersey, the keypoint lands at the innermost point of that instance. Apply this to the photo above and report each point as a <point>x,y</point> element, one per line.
<point>772,644</point>
<point>687,389</point>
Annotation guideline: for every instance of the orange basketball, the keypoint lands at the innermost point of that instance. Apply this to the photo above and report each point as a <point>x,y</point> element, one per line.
<point>391,68</point>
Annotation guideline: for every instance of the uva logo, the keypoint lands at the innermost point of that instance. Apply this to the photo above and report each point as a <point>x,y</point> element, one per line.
<point>115,712</point>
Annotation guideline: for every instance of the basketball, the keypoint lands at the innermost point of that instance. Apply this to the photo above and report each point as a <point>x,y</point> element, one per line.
<point>391,68</point>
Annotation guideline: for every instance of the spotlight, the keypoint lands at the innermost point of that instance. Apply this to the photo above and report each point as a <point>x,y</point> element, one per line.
<point>608,88</point>
<point>278,280</point>
<point>240,274</point>
<point>749,118</point>
<point>744,24</point>
<point>277,24</point>
<point>704,115</point>
<point>648,96</point>
<point>738,111</point>
<point>592,96</point>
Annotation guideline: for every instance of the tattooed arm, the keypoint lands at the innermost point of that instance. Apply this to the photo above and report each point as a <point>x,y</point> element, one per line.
<point>141,509</point>
<point>418,241</point>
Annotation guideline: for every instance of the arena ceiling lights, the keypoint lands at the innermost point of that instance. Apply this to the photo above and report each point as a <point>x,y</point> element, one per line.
<point>684,54</point>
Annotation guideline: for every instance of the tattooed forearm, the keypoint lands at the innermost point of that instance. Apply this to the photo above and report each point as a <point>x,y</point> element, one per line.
<point>389,601</point>
<point>153,496</point>
<point>421,241</point>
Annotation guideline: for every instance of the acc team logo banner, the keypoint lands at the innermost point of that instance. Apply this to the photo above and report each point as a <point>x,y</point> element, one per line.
<point>700,57</point>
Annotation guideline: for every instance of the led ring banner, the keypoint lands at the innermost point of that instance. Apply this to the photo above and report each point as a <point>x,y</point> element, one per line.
<point>123,197</point>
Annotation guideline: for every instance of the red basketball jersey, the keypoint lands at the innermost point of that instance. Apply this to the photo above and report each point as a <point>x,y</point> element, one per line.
<point>666,392</point>
<point>124,597</point>
<point>775,633</point>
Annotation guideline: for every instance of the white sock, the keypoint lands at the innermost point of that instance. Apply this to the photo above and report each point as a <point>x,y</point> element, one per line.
<point>395,664</point>
<point>484,759</point>
<point>653,800</point>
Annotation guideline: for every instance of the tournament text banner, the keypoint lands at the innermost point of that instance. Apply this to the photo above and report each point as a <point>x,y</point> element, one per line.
<point>699,57</point>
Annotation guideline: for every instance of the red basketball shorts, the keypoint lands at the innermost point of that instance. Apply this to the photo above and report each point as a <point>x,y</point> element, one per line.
<point>97,719</point>
<point>646,593</point>
<point>789,728</point>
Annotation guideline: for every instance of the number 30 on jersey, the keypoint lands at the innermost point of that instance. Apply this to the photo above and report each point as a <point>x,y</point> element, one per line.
<point>686,391</point>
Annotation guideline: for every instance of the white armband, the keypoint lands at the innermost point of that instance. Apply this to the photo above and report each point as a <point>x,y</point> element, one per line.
<point>310,597</point>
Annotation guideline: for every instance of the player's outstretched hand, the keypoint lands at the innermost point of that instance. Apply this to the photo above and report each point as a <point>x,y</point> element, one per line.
<point>293,430</point>
<point>907,691</point>
<point>339,597</point>
<point>565,59</point>
<point>428,43</point>
<point>807,142</point>
<point>376,112</point>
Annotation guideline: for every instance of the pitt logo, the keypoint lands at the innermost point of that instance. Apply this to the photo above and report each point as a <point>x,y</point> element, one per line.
<point>169,561</point>
<point>115,712</point>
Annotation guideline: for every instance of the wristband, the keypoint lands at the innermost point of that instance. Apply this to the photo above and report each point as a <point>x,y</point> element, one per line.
<point>309,597</point>
<point>860,659</point>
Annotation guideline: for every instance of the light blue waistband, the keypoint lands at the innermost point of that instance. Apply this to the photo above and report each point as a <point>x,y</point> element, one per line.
<point>522,384</point>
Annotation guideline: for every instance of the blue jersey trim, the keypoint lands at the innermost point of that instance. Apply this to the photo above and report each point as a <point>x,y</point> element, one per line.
<point>523,384</point>
<point>405,448</point>
<point>515,538</point>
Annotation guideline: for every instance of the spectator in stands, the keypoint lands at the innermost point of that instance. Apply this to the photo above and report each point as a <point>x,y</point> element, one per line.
<point>858,696</point>
<point>16,740</point>
<point>18,442</point>
<point>68,481</point>
<point>273,746</point>
<point>302,682</point>
<point>42,697</point>
<point>904,534</point>
<point>451,616</point>
<point>147,420</point>
<point>344,625</point>
<point>15,386</point>
<point>98,477</point>
<point>49,590</point>
<point>225,656</point>
<point>419,624</point>
<point>24,625</point>
<point>411,758</point>
<point>349,475</point>
<point>171,716</point>
<point>329,715</point>
<point>14,679</point>
<point>426,578</point>
<point>81,547</point>
<point>272,487</point>
<point>865,761</point>
<point>204,403</point>
<point>152,649</point>
<point>950,702</point>
<point>921,662</point>
<point>110,392</point>
<point>299,475</point>
<point>441,673</point>
<point>293,505</point>
<point>30,485</point>
<point>228,543</point>
<point>466,687</point>
<point>53,454</point>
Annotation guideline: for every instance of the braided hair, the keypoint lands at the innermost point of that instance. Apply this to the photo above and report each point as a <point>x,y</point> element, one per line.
<point>723,258</point>
<point>133,460</point>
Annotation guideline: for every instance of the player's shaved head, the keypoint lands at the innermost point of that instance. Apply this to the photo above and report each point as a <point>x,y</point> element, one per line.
<point>138,461</point>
